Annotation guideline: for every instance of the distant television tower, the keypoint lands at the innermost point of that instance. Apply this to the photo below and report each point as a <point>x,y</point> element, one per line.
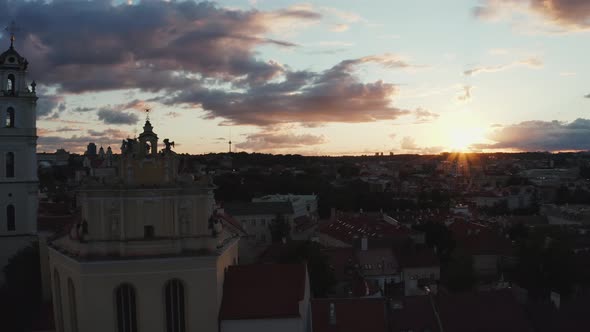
<point>230,140</point>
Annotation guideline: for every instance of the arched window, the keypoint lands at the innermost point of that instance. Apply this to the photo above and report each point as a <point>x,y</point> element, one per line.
<point>73,310</point>
<point>10,218</point>
<point>174,297</point>
<point>126,311</point>
<point>10,118</point>
<point>59,324</point>
<point>11,84</point>
<point>10,165</point>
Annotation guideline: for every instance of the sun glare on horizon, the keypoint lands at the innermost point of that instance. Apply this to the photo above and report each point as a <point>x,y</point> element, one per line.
<point>462,139</point>
<point>463,129</point>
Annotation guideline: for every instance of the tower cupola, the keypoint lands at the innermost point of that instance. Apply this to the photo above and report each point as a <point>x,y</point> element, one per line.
<point>148,140</point>
<point>13,69</point>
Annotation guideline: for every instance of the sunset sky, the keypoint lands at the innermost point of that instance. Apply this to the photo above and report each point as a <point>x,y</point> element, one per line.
<point>326,77</point>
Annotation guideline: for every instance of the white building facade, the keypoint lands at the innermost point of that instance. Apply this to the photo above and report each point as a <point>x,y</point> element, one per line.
<point>18,142</point>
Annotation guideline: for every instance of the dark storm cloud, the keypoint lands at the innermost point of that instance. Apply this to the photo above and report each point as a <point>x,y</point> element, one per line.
<point>49,104</point>
<point>117,117</point>
<point>542,136</point>
<point>107,133</point>
<point>77,143</point>
<point>335,95</point>
<point>183,51</point>
<point>93,45</point>
<point>66,129</point>
<point>573,14</point>
<point>82,109</point>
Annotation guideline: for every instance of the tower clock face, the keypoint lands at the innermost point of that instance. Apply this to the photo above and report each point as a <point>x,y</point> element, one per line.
<point>11,59</point>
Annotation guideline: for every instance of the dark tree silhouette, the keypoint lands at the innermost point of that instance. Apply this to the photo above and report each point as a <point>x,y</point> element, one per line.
<point>320,275</point>
<point>20,297</point>
<point>280,229</point>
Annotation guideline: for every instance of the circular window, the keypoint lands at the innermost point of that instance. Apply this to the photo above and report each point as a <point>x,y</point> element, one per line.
<point>11,59</point>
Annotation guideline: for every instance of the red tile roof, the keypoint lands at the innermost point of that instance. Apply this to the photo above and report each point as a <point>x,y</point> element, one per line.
<point>263,291</point>
<point>348,227</point>
<point>230,220</point>
<point>351,315</point>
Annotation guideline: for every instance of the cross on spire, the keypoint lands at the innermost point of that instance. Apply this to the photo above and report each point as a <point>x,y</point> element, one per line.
<point>147,112</point>
<point>12,29</point>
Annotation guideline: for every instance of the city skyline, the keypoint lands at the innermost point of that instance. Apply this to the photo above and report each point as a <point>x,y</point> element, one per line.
<point>293,77</point>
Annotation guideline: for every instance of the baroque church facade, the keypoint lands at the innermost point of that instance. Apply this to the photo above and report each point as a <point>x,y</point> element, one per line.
<point>147,253</point>
<point>18,160</point>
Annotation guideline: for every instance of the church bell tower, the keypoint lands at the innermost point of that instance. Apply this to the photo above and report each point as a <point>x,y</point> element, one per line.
<point>18,159</point>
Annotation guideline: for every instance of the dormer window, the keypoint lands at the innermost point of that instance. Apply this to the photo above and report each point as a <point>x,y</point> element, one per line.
<point>10,84</point>
<point>9,118</point>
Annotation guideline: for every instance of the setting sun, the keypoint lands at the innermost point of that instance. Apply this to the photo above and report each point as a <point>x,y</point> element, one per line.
<point>461,130</point>
<point>462,138</point>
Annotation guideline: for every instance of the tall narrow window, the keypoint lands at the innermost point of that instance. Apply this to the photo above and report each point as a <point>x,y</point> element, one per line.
<point>10,165</point>
<point>10,218</point>
<point>59,324</point>
<point>10,84</point>
<point>10,118</point>
<point>125,305</point>
<point>73,310</point>
<point>174,297</point>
